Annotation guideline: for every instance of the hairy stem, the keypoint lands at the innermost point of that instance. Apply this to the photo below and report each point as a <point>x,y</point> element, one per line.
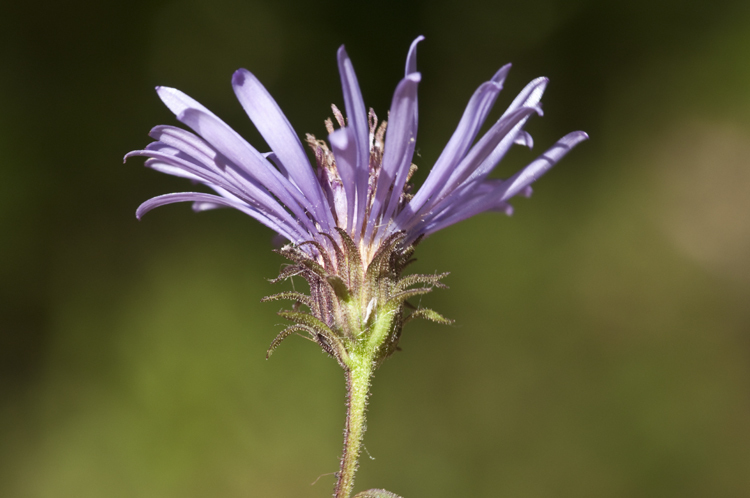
<point>358,386</point>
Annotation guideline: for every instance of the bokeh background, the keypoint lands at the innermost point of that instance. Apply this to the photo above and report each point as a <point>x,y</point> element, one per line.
<point>601,345</point>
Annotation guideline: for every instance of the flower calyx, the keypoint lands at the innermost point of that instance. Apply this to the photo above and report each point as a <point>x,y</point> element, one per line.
<point>356,306</point>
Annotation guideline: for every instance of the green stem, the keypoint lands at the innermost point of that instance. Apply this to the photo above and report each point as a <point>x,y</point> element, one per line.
<point>358,386</point>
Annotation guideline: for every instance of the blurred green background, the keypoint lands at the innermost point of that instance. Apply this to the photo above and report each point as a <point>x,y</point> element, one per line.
<point>601,345</point>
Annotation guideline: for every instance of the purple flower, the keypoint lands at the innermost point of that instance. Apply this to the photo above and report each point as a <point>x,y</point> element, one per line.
<point>352,221</point>
<point>360,184</point>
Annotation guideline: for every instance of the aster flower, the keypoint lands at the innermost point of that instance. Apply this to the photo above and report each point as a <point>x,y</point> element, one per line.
<point>352,222</point>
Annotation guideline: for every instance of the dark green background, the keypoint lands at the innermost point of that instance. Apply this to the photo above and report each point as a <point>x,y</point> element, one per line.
<point>601,343</point>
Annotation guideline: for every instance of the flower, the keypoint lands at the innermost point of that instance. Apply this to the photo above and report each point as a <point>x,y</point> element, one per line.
<point>352,221</point>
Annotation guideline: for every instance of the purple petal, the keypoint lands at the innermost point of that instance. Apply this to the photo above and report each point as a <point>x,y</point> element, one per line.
<point>501,191</point>
<point>200,206</point>
<point>190,144</point>
<point>531,95</point>
<point>344,148</point>
<point>474,116</point>
<point>475,157</point>
<point>273,125</point>
<point>411,58</point>
<point>236,149</point>
<point>542,164</point>
<point>357,117</point>
<point>226,184</point>
<point>265,218</point>
<point>501,74</point>
<point>483,157</point>
<point>169,169</point>
<point>525,139</point>
<point>401,136</point>
<point>245,190</point>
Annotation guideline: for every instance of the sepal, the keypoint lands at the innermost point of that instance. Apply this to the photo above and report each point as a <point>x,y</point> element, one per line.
<point>319,332</point>
<point>430,315</point>
<point>415,279</point>
<point>397,299</point>
<point>358,300</point>
<point>283,335</point>
<point>339,287</point>
<point>290,296</point>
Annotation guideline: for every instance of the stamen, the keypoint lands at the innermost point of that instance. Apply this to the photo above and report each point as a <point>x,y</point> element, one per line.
<point>372,120</point>
<point>339,117</point>
<point>380,135</point>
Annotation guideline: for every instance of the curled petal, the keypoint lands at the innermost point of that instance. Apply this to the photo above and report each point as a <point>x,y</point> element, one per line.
<point>265,218</point>
<point>493,196</point>
<point>474,116</point>
<point>411,58</point>
<point>227,141</point>
<point>542,164</point>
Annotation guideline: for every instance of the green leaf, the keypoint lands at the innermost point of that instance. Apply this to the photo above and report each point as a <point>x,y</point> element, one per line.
<point>376,493</point>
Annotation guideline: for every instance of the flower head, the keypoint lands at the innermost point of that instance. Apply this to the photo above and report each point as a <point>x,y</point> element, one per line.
<point>353,221</point>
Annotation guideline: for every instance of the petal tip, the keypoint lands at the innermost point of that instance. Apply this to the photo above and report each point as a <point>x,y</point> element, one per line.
<point>339,138</point>
<point>239,76</point>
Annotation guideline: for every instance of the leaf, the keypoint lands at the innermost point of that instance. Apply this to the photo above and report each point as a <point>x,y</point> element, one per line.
<point>376,493</point>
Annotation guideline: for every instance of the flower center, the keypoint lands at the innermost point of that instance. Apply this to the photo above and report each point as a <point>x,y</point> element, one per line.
<point>341,195</point>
